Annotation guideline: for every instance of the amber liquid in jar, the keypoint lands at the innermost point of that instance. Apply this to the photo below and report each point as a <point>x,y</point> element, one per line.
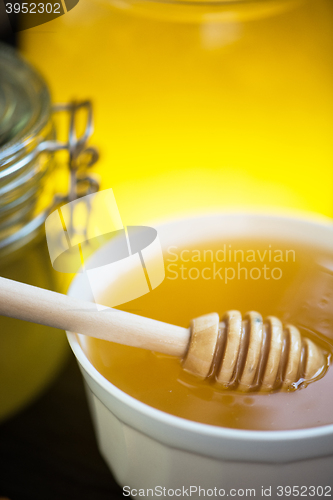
<point>294,283</point>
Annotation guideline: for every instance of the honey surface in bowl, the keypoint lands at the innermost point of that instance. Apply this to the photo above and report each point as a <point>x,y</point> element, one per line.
<point>292,282</point>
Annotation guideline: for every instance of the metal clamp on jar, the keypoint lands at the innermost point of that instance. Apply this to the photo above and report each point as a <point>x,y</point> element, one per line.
<point>33,182</point>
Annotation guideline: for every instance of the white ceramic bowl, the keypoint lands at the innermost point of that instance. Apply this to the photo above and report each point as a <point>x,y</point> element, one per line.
<point>147,448</point>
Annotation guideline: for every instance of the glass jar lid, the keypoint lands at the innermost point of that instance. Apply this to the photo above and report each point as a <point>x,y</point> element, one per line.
<point>24,102</point>
<point>28,146</point>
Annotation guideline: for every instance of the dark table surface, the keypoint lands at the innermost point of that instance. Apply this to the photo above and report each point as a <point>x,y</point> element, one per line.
<point>49,452</point>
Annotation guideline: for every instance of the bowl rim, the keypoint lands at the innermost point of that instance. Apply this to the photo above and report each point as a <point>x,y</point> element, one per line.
<point>260,436</point>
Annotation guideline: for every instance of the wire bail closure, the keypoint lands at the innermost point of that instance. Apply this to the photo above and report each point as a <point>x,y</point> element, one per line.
<point>81,158</point>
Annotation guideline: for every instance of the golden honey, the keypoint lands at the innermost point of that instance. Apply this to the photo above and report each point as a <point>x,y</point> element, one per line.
<point>292,282</point>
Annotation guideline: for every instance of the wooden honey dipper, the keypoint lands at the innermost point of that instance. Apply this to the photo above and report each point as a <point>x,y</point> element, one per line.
<point>247,354</point>
<point>251,354</point>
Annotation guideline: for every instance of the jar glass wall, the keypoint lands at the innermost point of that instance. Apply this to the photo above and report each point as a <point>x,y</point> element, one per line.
<point>201,106</point>
<point>30,355</point>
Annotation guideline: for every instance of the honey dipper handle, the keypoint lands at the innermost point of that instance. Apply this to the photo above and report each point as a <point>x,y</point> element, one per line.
<point>37,305</point>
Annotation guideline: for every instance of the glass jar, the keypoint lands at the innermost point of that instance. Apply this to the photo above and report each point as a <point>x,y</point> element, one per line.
<point>30,355</point>
<point>201,105</point>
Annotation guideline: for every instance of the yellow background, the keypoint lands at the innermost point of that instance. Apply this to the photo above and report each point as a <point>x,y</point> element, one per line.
<point>227,108</point>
